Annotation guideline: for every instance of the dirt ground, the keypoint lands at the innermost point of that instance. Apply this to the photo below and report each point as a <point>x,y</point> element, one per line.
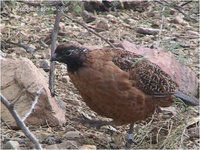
<point>171,128</point>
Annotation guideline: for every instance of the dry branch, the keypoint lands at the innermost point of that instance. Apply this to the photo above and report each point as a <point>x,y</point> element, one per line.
<point>20,123</point>
<point>31,3</point>
<point>178,8</point>
<point>53,47</point>
<point>27,47</point>
<point>185,3</point>
<point>149,31</point>
<point>47,3</point>
<point>161,27</point>
<point>90,30</point>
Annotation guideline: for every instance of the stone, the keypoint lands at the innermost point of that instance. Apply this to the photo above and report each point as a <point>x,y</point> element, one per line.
<point>72,135</point>
<point>130,21</point>
<point>150,31</point>
<point>2,54</point>
<point>44,64</point>
<point>86,147</point>
<point>21,80</point>
<point>52,139</point>
<point>193,132</point>
<point>179,20</point>
<point>69,144</point>
<point>11,55</point>
<point>31,48</point>
<point>62,26</point>
<point>88,17</point>
<point>20,134</point>
<point>11,145</point>
<point>111,18</point>
<point>102,25</point>
<point>47,53</point>
<point>54,146</point>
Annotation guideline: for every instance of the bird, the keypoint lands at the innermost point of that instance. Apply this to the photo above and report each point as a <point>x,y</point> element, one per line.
<point>119,84</point>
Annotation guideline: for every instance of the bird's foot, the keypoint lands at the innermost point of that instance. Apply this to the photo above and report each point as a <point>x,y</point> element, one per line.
<point>95,123</point>
<point>130,140</point>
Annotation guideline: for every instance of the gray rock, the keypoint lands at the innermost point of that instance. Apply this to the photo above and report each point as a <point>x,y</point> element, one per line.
<point>45,65</point>
<point>72,135</point>
<point>102,25</point>
<point>2,54</point>
<point>55,146</point>
<point>11,145</point>
<point>23,71</point>
<point>52,139</point>
<point>88,17</point>
<point>111,18</point>
<point>86,147</point>
<point>64,145</point>
<point>20,134</point>
<point>30,48</point>
<point>69,145</point>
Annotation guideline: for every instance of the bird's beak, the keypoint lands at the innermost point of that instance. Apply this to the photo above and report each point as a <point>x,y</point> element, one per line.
<point>54,57</point>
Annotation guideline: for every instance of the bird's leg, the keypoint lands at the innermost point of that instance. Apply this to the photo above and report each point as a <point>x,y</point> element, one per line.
<point>96,123</point>
<point>130,139</point>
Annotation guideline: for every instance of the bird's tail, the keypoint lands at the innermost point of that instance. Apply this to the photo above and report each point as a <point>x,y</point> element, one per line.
<point>189,100</point>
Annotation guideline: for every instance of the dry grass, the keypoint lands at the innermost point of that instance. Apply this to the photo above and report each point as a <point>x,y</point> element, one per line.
<point>165,130</point>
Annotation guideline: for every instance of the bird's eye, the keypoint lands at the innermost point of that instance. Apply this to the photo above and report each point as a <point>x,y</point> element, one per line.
<point>68,53</point>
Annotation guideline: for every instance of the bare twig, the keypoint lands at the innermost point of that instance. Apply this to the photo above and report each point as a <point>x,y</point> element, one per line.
<point>182,136</point>
<point>19,122</point>
<point>39,92</point>
<point>152,119</point>
<point>31,3</point>
<point>53,47</point>
<point>47,3</point>
<point>170,125</point>
<point>23,45</point>
<point>149,31</point>
<point>161,27</point>
<point>185,3</point>
<point>90,30</point>
<point>178,8</point>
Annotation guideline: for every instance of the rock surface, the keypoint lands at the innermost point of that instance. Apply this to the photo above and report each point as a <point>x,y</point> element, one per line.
<point>45,65</point>
<point>102,25</point>
<point>87,147</point>
<point>88,17</point>
<point>72,135</point>
<point>181,74</point>
<point>11,145</point>
<point>21,80</point>
<point>64,145</point>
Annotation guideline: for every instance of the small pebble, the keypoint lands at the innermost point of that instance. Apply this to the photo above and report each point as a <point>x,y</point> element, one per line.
<point>45,65</point>
<point>86,147</point>
<point>52,139</point>
<point>72,135</point>
<point>11,145</point>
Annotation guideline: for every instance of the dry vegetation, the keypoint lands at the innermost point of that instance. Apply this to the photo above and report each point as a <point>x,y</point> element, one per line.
<point>172,128</point>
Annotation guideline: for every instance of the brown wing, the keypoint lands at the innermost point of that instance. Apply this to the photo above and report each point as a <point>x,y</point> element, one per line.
<point>149,77</point>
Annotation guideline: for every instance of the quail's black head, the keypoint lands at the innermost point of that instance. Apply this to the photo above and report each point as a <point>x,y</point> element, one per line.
<point>71,55</point>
